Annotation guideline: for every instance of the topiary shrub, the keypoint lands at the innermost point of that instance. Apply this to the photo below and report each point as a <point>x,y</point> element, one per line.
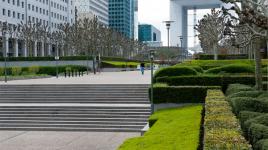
<point>252,94</point>
<point>175,71</point>
<point>234,68</point>
<point>246,115</point>
<point>235,88</point>
<point>261,145</point>
<point>2,71</point>
<point>16,71</point>
<point>248,104</point>
<point>195,67</point>
<point>257,132</point>
<point>262,119</point>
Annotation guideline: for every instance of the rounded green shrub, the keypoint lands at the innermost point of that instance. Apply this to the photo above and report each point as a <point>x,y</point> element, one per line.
<point>2,71</point>
<point>262,119</point>
<point>195,67</point>
<point>257,132</point>
<point>261,145</point>
<point>235,88</point>
<point>234,68</point>
<point>246,115</point>
<point>252,94</point>
<point>175,71</point>
<point>16,71</point>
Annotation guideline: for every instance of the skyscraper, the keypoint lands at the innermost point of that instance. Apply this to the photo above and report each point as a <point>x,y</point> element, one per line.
<point>121,16</point>
<point>150,35</point>
<point>91,8</point>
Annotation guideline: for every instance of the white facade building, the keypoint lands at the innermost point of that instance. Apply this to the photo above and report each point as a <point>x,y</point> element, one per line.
<point>50,13</point>
<point>179,14</point>
<point>91,8</point>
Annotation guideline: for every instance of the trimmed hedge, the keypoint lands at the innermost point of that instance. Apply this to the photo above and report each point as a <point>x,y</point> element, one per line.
<point>257,132</point>
<point>234,68</point>
<point>261,145</point>
<point>65,58</point>
<point>175,71</point>
<point>235,88</point>
<point>48,70</point>
<point>246,94</point>
<point>222,57</point>
<point>195,67</point>
<point>249,104</point>
<point>207,80</point>
<point>221,128</point>
<point>246,115</point>
<point>180,94</point>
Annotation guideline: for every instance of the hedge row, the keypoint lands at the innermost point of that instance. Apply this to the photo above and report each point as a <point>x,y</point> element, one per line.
<point>48,70</point>
<point>233,68</point>
<point>206,80</point>
<point>221,128</point>
<point>65,58</point>
<point>175,71</point>
<point>222,57</point>
<point>180,94</point>
<point>252,109</point>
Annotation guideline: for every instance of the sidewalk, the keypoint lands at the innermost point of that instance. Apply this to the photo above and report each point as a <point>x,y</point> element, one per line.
<point>131,77</point>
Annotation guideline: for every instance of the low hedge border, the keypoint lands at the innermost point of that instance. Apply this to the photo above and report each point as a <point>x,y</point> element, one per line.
<point>180,94</point>
<point>222,57</point>
<point>207,80</point>
<point>221,128</point>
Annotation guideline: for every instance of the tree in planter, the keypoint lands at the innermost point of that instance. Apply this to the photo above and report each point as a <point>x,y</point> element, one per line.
<point>254,15</point>
<point>210,29</point>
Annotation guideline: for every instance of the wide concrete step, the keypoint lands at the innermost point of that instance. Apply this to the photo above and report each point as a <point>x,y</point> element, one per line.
<point>71,125</point>
<point>71,129</point>
<point>74,112</point>
<point>73,96</point>
<point>104,115</point>
<point>81,102</point>
<point>130,119</point>
<point>75,109</point>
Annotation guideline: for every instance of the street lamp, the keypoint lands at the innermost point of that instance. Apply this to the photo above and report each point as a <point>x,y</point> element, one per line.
<point>152,53</point>
<point>168,24</point>
<point>181,39</point>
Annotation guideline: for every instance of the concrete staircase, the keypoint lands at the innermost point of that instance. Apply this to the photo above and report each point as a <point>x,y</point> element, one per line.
<point>74,107</point>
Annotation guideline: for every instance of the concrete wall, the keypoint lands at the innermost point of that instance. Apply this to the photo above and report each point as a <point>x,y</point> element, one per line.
<point>45,63</point>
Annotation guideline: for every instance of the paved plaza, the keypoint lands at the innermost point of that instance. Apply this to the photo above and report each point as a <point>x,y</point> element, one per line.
<point>49,140</point>
<point>131,77</point>
<point>32,140</point>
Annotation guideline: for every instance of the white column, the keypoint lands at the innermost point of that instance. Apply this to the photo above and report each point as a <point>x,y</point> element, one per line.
<point>24,48</point>
<point>16,47</point>
<point>6,46</point>
<point>43,49</point>
<point>35,48</point>
<point>49,49</point>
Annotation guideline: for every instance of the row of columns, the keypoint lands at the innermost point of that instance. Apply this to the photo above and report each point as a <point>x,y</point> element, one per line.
<point>24,52</point>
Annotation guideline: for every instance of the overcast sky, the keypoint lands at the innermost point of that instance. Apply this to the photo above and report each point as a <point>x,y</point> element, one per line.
<point>156,11</point>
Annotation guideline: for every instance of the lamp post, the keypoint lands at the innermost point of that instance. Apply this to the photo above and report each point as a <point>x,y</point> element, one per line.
<point>168,24</point>
<point>181,40</point>
<point>152,53</point>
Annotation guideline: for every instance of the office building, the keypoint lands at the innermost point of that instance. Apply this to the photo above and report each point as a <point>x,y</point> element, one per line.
<point>150,35</point>
<point>121,16</point>
<point>50,13</point>
<point>91,8</point>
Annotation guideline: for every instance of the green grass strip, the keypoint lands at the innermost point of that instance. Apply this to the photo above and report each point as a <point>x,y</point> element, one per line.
<point>175,129</point>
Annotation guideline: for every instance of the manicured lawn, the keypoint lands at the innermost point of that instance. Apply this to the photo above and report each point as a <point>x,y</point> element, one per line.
<point>175,129</point>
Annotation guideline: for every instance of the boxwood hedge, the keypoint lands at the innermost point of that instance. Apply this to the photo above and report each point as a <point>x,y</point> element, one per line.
<point>175,71</point>
<point>234,68</point>
<point>261,145</point>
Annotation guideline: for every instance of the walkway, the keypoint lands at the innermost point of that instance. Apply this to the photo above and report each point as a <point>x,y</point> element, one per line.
<point>21,140</point>
<point>131,77</point>
<point>35,140</point>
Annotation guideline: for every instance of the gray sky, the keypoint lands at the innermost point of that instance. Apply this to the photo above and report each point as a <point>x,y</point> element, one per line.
<point>156,11</point>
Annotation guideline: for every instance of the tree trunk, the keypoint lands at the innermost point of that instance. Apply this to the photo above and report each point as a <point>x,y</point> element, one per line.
<point>215,52</point>
<point>258,72</point>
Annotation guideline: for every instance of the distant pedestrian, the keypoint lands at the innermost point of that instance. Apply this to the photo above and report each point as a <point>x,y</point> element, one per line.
<point>142,67</point>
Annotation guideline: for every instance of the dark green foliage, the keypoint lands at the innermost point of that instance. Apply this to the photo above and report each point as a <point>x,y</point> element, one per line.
<point>235,88</point>
<point>195,67</point>
<point>180,94</point>
<point>246,115</point>
<point>263,95</point>
<point>175,71</point>
<point>252,94</point>
<point>222,57</point>
<point>262,119</point>
<point>207,80</point>
<point>248,104</point>
<point>257,132</point>
<point>234,68</point>
<point>261,145</point>
<point>64,58</point>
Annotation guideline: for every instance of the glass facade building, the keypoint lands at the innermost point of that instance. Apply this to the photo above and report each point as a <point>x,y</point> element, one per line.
<point>121,16</point>
<point>150,35</point>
